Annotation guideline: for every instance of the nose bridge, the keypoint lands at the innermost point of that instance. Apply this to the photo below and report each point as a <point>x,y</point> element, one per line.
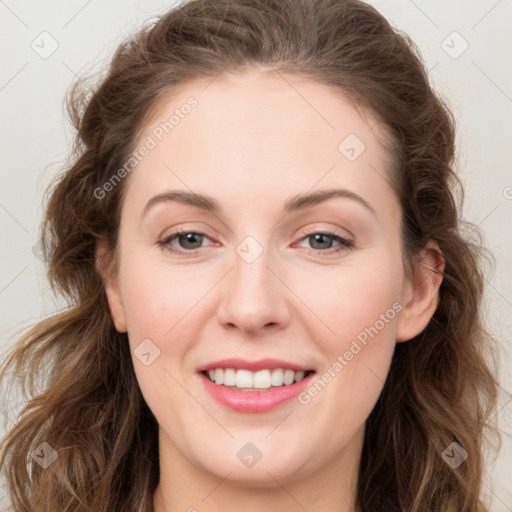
<point>254,297</point>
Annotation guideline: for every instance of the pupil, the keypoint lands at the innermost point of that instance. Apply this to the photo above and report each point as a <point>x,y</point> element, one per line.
<point>318,238</point>
<point>189,238</point>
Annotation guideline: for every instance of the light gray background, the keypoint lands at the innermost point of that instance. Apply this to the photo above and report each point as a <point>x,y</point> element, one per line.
<point>35,137</point>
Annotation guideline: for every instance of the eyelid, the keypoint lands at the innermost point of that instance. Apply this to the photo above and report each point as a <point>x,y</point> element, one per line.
<point>328,231</point>
<point>345,243</point>
<point>183,231</point>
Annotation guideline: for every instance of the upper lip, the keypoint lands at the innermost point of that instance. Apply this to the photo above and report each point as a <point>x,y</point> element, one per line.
<point>260,364</point>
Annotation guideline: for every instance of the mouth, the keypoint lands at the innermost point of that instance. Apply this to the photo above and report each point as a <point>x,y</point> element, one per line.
<point>254,387</point>
<point>247,380</point>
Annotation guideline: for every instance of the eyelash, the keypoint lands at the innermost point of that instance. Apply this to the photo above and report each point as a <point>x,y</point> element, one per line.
<point>344,243</point>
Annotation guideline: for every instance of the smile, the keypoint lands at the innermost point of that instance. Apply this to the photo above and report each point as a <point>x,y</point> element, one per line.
<point>254,386</point>
<point>248,380</point>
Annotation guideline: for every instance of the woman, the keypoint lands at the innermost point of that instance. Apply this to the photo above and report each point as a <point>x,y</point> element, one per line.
<point>259,368</point>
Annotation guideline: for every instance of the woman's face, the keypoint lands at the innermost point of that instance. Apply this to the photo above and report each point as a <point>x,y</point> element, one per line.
<point>262,278</point>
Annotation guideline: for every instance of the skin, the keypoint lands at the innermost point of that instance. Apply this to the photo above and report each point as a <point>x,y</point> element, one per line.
<point>252,143</point>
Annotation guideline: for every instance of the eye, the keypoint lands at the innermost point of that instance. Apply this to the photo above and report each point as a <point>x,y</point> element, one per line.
<point>323,240</point>
<point>190,241</point>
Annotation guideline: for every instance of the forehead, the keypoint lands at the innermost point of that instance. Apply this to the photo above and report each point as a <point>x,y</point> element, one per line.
<point>263,102</point>
<point>261,134</point>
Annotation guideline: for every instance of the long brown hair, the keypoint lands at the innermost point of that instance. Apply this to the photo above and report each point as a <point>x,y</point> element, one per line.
<point>87,404</point>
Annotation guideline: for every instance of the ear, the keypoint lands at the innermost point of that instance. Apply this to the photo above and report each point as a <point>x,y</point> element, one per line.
<point>421,296</point>
<point>105,266</point>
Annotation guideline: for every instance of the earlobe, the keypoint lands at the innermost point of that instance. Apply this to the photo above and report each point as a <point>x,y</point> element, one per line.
<point>104,265</point>
<point>421,296</point>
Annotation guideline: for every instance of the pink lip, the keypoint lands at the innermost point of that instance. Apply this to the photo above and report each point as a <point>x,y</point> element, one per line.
<point>254,401</point>
<point>254,366</point>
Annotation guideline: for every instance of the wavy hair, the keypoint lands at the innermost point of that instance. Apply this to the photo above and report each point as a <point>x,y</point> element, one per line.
<point>76,369</point>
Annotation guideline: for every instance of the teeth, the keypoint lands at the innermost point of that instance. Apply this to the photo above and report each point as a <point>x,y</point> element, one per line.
<point>262,379</point>
<point>243,378</point>
<point>229,377</point>
<point>289,377</point>
<point>277,378</point>
<point>298,376</point>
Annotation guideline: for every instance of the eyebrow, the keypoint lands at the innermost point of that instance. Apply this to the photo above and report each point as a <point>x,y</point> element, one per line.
<point>295,203</point>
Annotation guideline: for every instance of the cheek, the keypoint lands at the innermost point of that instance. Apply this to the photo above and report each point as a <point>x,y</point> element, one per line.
<point>157,300</point>
<point>166,306</point>
<point>351,299</point>
<point>358,310</point>
<point>158,306</point>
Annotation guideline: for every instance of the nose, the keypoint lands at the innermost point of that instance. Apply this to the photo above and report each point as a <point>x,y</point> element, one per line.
<point>254,297</point>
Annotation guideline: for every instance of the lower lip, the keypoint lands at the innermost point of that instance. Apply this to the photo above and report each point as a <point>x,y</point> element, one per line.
<point>254,401</point>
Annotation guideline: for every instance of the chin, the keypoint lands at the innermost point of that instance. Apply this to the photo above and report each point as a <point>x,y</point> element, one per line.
<point>261,464</point>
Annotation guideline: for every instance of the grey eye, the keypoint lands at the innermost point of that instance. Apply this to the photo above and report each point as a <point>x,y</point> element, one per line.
<point>324,241</point>
<point>190,240</point>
